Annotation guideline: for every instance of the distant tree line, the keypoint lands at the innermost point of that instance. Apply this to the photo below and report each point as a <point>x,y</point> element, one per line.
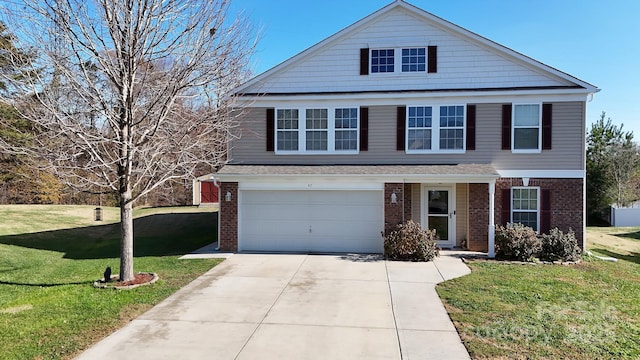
<point>613,168</point>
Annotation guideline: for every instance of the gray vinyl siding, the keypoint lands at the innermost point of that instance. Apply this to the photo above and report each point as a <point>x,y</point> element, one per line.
<point>567,147</point>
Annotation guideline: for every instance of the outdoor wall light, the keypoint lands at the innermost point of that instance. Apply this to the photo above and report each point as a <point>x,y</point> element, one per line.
<point>394,198</point>
<point>227,197</point>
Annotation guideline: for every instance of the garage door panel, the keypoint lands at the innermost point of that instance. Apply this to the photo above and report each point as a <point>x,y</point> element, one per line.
<point>322,221</point>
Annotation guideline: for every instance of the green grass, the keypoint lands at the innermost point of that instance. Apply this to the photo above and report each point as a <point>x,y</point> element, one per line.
<point>585,311</point>
<point>50,256</point>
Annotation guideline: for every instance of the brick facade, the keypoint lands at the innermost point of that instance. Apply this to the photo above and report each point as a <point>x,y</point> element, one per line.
<point>395,214</point>
<point>478,217</point>
<point>566,202</point>
<point>229,217</point>
<point>565,194</point>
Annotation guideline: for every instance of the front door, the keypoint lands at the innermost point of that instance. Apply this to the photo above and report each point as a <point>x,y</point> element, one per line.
<point>440,213</point>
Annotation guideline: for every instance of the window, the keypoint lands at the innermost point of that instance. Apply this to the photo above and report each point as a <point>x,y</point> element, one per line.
<point>318,130</point>
<point>346,125</point>
<point>526,127</point>
<point>382,61</point>
<point>524,206</point>
<point>445,134</point>
<point>451,127</point>
<point>409,60</point>
<point>419,119</point>
<point>414,60</point>
<point>287,121</point>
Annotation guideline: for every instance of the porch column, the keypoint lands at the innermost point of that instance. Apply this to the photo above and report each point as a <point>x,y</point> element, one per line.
<point>492,219</point>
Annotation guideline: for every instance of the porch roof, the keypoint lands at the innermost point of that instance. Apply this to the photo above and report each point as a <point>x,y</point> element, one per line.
<point>456,172</point>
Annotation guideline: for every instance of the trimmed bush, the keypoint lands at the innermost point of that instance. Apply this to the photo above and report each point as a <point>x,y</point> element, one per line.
<point>410,242</point>
<point>516,242</point>
<point>558,246</point>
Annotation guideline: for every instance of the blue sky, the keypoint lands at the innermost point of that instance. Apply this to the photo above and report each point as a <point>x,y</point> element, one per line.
<point>595,40</point>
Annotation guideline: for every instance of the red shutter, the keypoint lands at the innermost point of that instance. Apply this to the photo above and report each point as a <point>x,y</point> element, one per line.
<point>270,129</point>
<point>432,59</point>
<point>364,61</point>
<point>506,127</point>
<point>547,110</point>
<point>471,127</point>
<point>545,212</point>
<point>506,207</point>
<point>400,127</point>
<point>364,129</point>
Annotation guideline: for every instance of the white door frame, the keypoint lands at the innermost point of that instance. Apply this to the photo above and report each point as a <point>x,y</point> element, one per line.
<point>424,210</point>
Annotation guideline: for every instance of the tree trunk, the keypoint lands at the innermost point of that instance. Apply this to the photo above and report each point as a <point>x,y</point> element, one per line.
<point>126,237</point>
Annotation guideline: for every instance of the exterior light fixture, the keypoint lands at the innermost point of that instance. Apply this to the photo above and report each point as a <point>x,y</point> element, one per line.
<point>394,198</point>
<point>227,197</point>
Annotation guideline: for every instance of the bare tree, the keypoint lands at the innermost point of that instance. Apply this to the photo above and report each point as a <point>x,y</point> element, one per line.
<point>128,94</point>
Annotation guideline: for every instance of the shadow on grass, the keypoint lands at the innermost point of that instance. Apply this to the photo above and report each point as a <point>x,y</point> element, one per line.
<point>154,235</point>
<point>632,235</point>
<point>44,285</point>
<point>634,257</point>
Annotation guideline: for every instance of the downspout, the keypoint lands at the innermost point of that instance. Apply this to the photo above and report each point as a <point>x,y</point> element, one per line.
<point>217,185</point>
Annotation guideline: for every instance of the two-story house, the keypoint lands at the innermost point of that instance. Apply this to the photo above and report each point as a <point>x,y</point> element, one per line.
<point>403,115</point>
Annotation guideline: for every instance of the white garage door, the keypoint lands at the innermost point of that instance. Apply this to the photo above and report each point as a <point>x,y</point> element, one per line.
<point>315,221</point>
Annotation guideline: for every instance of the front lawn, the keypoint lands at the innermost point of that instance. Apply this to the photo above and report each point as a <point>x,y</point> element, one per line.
<point>585,311</point>
<point>50,256</point>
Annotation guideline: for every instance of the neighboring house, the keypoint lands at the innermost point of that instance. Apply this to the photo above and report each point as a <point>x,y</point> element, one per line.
<point>205,191</point>
<point>403,115</point>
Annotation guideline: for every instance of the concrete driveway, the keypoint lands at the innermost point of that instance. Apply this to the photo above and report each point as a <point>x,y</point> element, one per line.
<point>298,307</point>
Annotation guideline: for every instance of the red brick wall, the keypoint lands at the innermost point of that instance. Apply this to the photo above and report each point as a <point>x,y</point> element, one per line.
<point>566,202</point>
<point>229,217</point>
<point>394,214</point>
<point>478,217</point>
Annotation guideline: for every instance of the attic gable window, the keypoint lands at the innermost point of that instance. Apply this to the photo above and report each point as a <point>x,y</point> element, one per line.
<point>399,60</point>
<point>414,60</point>
<point>382,61</point>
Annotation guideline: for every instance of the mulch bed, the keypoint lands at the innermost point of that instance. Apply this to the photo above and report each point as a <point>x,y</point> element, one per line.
<point>139,279</point>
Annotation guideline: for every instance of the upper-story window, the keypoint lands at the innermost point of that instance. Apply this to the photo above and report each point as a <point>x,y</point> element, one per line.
<point>445,134</point>
<point>382,60</point>
<point>451,127</point>
<point>317,129</point>
<point>414,59</point>
<point>287,129</point>
<point>526,127</point>
<point>346,125</point>
<point>320,130</point>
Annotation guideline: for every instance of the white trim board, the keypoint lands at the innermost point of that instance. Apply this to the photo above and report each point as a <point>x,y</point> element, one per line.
<point>543,174</point>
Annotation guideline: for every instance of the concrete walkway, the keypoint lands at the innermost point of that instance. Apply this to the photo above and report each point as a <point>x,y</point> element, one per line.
<point>256,306</point>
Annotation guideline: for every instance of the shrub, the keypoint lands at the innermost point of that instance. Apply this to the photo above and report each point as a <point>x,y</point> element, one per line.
<point>558,246</point>
<point>410,242</point>
<point>516,242</point>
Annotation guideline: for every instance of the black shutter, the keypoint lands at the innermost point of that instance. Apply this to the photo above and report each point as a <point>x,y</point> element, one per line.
<point>400,128</point>
<point>364,61</point>
<point>547,110</point>
<point>364,129</point>
<point>271,129</point>
<point>432,59</point>
<point>471,127</point>
<point>506,207</point>
<point>506,127</point>
<point>545,212</point>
